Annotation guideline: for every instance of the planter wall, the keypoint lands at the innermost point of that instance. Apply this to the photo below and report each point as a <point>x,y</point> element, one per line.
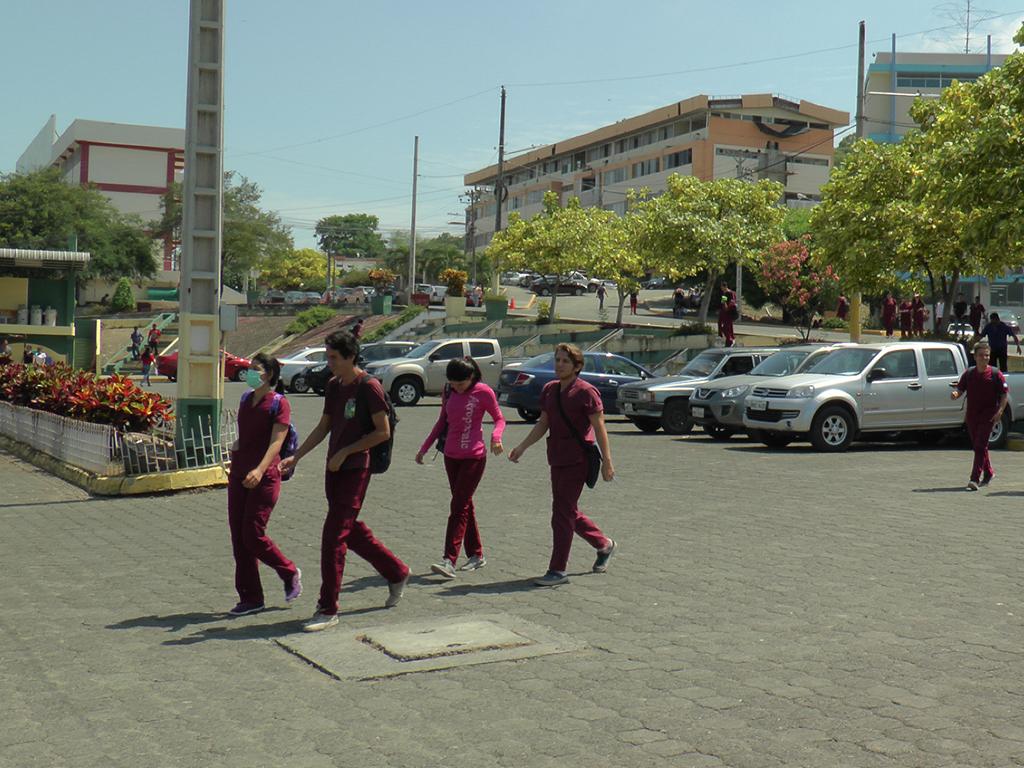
<point>455,306</point>
<point>496,309</point>
<point>92,447</point>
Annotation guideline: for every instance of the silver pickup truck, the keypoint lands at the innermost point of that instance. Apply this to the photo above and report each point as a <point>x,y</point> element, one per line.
<point>664,402</point>
<point>870,388</point>
<point>422,371</point>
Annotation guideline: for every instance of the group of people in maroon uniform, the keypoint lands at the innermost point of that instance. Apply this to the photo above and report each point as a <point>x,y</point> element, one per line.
<point>355,419</point>
<point>911,312</point>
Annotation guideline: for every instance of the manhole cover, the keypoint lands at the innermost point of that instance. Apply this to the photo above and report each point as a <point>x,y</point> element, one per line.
<point>447,640</point>
<point>398,649</point>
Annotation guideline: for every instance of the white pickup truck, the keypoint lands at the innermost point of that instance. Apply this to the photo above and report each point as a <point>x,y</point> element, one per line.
<point>871,388</point>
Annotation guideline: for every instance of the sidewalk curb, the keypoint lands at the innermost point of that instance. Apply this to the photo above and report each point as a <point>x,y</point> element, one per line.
<point>1015,443</point>
<point>113,485</point>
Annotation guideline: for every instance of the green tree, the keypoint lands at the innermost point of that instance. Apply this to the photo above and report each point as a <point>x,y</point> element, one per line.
<point>842,149</point>
<point>40,211</point>
<point>299,269</point>
<point>701,227</point>
<point>251,235</point>
<point>614,255</point>
<point>124,299</point>
<point>350,236</point>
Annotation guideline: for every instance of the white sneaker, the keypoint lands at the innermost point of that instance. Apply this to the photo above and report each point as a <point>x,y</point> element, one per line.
<point>395,592</point>
<point>475,562</point>
<point>972,486</point>
<point>444,568</point>
<point>320,622</point>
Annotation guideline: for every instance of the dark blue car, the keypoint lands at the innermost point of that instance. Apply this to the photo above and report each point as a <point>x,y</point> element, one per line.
<point>520,387</point>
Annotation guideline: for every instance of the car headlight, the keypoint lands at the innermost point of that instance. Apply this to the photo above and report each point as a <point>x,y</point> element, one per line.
<point>732,392</point>
<point>375,370</point>
<point>807,391</point>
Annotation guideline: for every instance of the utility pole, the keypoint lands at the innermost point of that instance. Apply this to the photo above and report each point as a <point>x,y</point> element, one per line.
<point>855,299</point>
<point>412,228</point>
<point>200,389</point>
<point>499,184</point>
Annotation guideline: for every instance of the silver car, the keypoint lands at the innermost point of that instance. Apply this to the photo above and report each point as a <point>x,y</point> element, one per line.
<point>718,405</point>
<point>295,366</point>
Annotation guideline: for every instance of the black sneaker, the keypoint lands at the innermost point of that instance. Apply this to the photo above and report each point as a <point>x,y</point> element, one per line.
<point>986,479</point>
<point>603,556</point>
<point>244,609</point>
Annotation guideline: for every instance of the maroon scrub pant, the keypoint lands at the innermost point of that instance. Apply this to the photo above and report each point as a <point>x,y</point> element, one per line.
<point>248,514</point>
<point>980,429</point>
<point>463,477</point>
<point>566,518</point>
<point>343,531</point>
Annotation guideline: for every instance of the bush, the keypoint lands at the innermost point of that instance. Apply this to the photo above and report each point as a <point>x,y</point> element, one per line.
<point>693,328</point>
<point>835,322</point>
<point>356,277</point>
<point>124,299</point>
<point>387,327</point>
<point>455,279</point>
<point>543,312</point>
<point>65,391</point>
<point>309,319</point>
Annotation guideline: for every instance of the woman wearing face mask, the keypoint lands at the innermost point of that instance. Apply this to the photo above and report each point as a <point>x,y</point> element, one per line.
<point>255,483</point>
<point>466,401</point>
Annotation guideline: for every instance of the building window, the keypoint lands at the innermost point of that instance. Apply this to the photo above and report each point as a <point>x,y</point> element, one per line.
<point>676,159</point>
<point>646,167</point>
<point>534,197</point>
<point>804,160</point>
<point>614,176</point>
<point>516,202</point>
<point>587,184</point>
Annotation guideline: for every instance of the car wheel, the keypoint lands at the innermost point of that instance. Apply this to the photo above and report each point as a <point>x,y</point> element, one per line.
<point>676,419</point>
<point>299,384</point>
<point>527,415</point>
<point>646,424</point>
<point>1000,432</point>
<point>545,292</point>
<point>406,391</point>
<point>577,291</point>
<point>832,429</point>
<point>771,439</point>
<point>171,377</point>
<point>717,431</point>
<point>240,374</point>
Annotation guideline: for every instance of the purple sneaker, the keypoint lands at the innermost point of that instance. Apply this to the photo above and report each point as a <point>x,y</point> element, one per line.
<point>244,609</point>
<point>293,586</point>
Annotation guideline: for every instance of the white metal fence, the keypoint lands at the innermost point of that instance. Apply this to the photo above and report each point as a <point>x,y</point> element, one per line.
<point>103,450</point>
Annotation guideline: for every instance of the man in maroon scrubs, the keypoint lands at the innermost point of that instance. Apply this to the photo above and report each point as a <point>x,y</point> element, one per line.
<point>581,404</point>
<point>977,314</point>
<point>986,391</point>
<point>349,393</point>
<point>917,306</point>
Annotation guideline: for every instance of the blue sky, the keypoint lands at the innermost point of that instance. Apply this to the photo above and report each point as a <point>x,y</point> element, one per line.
<point>324,97</point>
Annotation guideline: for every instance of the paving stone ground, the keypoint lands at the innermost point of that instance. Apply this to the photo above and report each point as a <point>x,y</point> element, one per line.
<point>766,609</point>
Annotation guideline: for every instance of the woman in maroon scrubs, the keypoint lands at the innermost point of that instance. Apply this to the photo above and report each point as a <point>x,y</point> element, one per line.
<point>254,485</point>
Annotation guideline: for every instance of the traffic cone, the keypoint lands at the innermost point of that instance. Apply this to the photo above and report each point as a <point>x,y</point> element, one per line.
<point>511,302</point>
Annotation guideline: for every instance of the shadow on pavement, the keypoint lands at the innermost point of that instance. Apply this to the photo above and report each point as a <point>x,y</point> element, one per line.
<point>957,489</point>
<point>52,503</point>
<point>242,631</point>
<point>498,587</point>
<point>1006,493</point>
<point>175,622</point>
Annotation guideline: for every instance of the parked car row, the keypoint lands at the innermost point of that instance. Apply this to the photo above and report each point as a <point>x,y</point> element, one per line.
<point>829,395</point>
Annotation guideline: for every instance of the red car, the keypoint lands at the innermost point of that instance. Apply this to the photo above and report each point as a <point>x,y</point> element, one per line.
<point>234,366</point>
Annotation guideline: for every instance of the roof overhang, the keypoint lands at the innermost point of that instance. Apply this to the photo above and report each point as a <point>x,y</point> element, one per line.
<point>22,258</point>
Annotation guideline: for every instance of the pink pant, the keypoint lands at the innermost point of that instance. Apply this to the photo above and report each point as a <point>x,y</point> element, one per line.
<point>980,430</point>
<point>248,514</point>
<point>342,531</point>
<point>463,478</point>
<point>566,519</point>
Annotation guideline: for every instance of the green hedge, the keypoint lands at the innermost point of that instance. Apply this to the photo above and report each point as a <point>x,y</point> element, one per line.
<point>385,328</point>
<point>309,319</point>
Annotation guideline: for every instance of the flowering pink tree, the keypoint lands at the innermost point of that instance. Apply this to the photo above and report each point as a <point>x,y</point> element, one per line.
<point>789,278</point>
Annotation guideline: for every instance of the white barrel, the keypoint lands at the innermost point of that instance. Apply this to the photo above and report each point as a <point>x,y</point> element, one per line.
<point>22,315</point>
<point>36,316</point>
<point>50,316</point>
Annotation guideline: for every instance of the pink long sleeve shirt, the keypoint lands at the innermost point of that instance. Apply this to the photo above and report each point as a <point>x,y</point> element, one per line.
<point>464,414</point>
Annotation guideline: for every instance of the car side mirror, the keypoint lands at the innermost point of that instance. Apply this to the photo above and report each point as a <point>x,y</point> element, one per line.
<point>877,373</point>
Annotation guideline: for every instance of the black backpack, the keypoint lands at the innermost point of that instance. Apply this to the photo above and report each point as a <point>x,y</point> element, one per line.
<point>380,454</point>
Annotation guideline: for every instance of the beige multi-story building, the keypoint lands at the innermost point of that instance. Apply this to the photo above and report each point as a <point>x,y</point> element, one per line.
<point>752,136</point>
<point>886,114</point>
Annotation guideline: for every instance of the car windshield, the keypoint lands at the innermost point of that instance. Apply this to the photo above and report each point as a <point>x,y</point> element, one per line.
<point>779,364</point>
<point>423,349</point>
<point>844,362</point>
<point>702,365</point>
<point>545,362</point>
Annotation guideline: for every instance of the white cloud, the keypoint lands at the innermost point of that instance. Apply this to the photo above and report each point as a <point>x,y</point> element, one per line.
<point>1002,31</point>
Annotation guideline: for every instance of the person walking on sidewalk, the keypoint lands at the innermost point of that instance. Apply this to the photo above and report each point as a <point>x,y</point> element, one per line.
<point>977,314</point>
<point>889,314</point>
<point>136,339</point>
<point>906,319</point>
<point>634,298</point>
<point>986,391</point>
<point>571,410</point>
<point>998,334</point>
<point>264,416</point>
<point>148,358</point>
<point>465,457</point>
<point>601,293</point>
<point>353,399</point>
